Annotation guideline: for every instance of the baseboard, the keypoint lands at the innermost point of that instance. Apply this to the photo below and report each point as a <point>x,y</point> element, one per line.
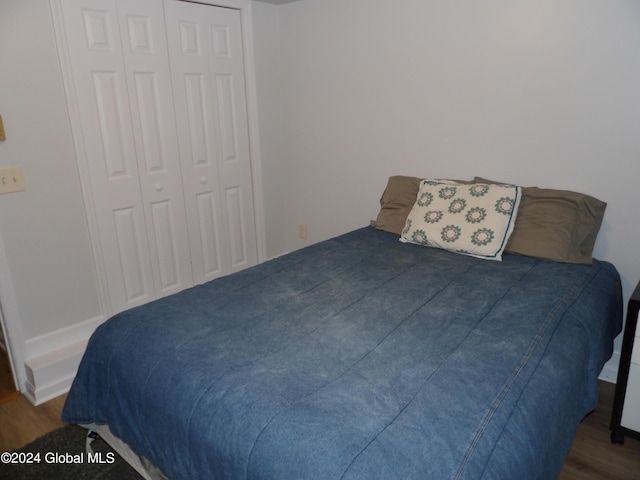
<point>52,360</point>
<point>59,339</point>
<point>51,375</point>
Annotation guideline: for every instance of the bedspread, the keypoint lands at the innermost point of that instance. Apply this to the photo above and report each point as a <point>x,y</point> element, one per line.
<point>359,357</point>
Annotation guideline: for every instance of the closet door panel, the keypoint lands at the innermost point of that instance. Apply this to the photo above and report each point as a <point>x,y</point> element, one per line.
<point>108,147</point>
<point>226,66</point>
<point>209,238</point>
<point>198,142</point>
<point>236,222</point>
<point>146,60</point>
<point>126,221</point>
<point>226,112</point>
<point>205,49</point>
<point>164,234</point>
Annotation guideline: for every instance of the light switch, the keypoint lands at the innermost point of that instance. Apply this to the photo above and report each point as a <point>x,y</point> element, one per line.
<point>3,136</point>
<point>11,180</point>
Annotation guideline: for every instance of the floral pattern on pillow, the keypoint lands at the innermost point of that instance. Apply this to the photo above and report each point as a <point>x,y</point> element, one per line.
<point>474,219</point>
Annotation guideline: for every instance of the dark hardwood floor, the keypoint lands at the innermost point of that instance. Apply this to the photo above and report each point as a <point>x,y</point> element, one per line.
<point>593,456</point>
<point>7,387</point>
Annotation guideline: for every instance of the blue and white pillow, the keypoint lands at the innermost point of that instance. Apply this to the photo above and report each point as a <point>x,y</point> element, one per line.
<point>472,219</point>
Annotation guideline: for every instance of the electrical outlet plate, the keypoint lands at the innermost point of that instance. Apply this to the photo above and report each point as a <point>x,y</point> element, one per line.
<point>302,231</point>
<point>11,180</point>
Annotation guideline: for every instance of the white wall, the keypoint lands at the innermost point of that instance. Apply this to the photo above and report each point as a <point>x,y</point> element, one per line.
<point>537,92</point>
<point>43,229</point>
<point>269,83</point>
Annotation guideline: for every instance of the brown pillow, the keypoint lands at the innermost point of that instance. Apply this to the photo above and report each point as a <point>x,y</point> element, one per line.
<point>396,202</point>
<point>557,225</point>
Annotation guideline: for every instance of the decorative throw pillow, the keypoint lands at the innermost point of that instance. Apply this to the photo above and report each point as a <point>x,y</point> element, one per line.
<point>474,219</point>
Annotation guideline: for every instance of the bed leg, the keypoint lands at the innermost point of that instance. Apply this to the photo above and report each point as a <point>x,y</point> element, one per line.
<point>617,438</point>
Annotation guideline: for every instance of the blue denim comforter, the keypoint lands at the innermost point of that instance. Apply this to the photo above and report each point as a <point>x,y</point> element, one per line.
<point>358,358</point>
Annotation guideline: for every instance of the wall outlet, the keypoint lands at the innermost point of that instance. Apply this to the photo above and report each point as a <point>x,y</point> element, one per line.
<point>302,231</point>
<point>11,180</point>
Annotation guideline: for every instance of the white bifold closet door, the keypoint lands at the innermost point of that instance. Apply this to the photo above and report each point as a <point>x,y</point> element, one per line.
<point>209,92</point>
<point>158,91</point>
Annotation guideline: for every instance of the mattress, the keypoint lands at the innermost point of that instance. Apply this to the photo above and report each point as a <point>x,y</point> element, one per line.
<point>359,357</point>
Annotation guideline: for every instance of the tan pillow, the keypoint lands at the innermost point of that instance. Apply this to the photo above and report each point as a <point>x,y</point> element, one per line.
<point>396,202</point>
<point>557,225</point>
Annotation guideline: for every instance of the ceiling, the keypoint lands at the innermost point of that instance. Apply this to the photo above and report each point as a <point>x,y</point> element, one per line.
<point>276,2</point>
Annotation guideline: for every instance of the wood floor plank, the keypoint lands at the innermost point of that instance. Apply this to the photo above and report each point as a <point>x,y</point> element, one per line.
<point>7,387</point>
<point>593,456</point>
<point>21,422</point>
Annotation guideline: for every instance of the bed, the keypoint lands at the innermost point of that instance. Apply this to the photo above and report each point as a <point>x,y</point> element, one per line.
<point>360,357</point>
